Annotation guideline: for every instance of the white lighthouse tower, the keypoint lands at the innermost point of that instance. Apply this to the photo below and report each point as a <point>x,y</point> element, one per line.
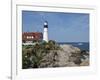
<point>45,34</point>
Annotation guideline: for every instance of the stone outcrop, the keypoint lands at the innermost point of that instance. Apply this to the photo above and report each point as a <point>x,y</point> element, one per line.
<point>67,56</point>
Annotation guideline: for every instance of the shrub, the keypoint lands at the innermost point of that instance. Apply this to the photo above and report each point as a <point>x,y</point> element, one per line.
<point>33,54</point>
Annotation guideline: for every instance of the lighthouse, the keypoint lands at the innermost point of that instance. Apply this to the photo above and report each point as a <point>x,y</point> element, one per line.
<point>45,33</point>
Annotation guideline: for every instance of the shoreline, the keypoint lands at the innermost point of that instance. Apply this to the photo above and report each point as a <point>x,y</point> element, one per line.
<point>66,56</point>
<point>82,46</point>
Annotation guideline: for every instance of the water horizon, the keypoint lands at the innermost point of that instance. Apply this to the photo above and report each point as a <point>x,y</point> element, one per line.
<point>81,45</point>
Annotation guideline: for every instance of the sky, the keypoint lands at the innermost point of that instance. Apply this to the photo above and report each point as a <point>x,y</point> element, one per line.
<point>62,27</point>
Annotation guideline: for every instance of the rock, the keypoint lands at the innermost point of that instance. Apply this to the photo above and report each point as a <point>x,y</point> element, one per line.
<point>85,62</point>
<point>70,48</point>
<point>69,56</point>
<point>63,58</point>
<point>71,64</point>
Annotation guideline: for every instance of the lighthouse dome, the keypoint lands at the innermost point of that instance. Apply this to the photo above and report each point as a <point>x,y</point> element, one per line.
<point>45,24</point>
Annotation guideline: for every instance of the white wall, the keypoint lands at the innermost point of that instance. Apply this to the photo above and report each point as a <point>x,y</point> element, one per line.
<point>5,37</point>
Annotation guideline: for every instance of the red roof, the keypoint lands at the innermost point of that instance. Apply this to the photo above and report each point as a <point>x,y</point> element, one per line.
<point>30,36</point>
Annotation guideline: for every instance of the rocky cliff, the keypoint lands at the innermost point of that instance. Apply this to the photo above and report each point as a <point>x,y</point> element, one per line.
<point>68,55</point>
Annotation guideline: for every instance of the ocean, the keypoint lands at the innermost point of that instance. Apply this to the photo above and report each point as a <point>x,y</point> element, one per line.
<point>81,45</point>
